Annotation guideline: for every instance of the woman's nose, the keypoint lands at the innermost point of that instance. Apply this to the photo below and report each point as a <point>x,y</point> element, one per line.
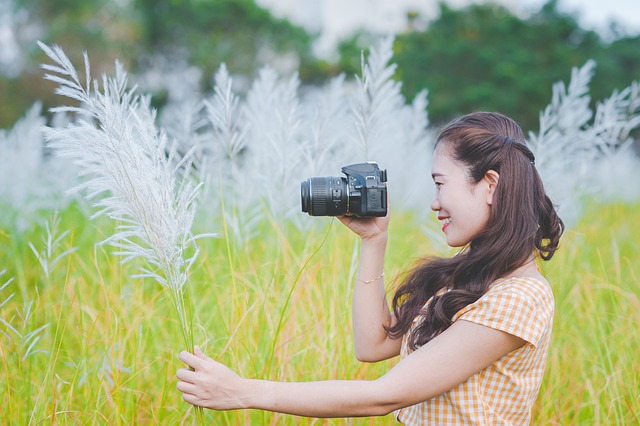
<point>435,204</point>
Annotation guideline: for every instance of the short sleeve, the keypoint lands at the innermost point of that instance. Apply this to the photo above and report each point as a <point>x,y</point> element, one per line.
<point>522,307</point>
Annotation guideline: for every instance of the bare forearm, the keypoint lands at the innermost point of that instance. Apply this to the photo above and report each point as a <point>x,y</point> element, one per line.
<point>370,309</point>
<point>333,398</point>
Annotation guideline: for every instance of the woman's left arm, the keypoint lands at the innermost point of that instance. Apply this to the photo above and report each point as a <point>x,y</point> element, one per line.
<point>462,350</point>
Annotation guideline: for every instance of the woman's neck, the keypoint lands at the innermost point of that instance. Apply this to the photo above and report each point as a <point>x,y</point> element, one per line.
<point>527,269</point>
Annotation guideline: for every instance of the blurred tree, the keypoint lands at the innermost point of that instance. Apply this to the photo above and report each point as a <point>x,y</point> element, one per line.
<point>209,32</point>
<point>619,62</point>
<point>201,33</point>
<point>106,29</point>
<point>478,57</point>
<point>482,57</point>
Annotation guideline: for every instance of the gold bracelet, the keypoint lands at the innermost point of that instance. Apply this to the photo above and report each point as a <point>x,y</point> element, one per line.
<point>371,280</point>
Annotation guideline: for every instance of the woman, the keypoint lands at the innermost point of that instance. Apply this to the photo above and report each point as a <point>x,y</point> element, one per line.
<point>472,331</point>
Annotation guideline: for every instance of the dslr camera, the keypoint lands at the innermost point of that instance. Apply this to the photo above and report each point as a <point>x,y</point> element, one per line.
<point>362,193</point>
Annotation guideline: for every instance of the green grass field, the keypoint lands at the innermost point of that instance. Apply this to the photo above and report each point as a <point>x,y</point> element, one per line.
<point>275,310</point>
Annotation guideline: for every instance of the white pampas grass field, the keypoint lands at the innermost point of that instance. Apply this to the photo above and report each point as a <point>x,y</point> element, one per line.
<point>109,266</point>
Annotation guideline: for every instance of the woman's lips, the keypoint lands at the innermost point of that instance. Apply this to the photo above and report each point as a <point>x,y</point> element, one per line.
<point>445,222</point>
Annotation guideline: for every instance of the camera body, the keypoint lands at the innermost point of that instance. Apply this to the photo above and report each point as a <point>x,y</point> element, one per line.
<point>362,193</point>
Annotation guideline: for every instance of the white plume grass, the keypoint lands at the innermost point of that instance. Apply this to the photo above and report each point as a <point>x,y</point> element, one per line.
<point>185,124</point>
<point>31,181</point>
<point>561,153</point>
<point>132,175</point>
<point>224,115</point>
<point>251,149</point>
<point>578,150</point>
<point>51,252</point>
<point>390,131</point>
<point>273,112</point>
<point>20,335</point>
<point>616,170</point>
<point>224,165</point>
<point>257,146</point>
<point>378,95</point>
<point>325,127</point>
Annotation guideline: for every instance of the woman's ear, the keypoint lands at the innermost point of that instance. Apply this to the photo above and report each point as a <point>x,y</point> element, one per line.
<point>491,179</point>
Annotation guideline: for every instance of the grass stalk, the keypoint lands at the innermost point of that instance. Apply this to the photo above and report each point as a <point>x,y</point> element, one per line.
<point>290,293</point>
<point>227,241</point>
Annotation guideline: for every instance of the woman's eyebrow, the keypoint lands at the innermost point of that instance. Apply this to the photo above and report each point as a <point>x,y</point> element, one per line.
<point>437,174</point>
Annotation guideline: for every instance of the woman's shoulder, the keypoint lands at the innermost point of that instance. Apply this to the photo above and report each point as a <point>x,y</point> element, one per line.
<point>520,305</point>
<point>532,286</point>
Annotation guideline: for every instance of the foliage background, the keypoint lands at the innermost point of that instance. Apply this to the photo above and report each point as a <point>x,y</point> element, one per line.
<point>479,57</point>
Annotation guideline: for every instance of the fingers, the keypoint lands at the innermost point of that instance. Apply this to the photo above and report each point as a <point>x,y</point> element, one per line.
<point>191,399</point>
<point>200,354</point>
<point>197,352</point>
<point>188,389</point>
<point>186,375</point>
<point>191,360</point>
<point>193,383</point>
<point>185,387</point>
<point>345,219</point>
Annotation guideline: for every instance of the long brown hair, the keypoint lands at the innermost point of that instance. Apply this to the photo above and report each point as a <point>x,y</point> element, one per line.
<point>522,222</point>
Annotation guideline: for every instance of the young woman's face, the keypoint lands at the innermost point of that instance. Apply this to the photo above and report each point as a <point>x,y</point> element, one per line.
<point>463,208</point>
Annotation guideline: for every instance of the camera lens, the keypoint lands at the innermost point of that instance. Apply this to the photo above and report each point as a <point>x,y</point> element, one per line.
<point>324,196</point>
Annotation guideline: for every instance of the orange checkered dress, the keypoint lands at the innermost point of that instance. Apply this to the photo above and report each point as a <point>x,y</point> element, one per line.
<point>504,392</point>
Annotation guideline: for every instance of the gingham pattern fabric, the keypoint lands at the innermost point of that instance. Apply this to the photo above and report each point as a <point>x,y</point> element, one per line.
<point>504,392</point>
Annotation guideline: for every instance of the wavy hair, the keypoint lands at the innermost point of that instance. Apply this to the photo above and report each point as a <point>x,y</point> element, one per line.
<point>522,223</point>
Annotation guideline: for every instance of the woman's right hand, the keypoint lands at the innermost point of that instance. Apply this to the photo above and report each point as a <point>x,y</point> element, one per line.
<point>368,228</point>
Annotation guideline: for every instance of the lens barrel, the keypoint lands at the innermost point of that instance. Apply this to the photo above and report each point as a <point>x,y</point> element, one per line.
<point>325,196</point>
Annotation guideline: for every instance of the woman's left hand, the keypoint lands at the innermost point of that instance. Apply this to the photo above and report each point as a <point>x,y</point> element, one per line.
<point>210,384</point>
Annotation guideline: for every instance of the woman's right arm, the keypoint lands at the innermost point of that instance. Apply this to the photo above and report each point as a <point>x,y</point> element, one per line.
<point>370,309</point>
